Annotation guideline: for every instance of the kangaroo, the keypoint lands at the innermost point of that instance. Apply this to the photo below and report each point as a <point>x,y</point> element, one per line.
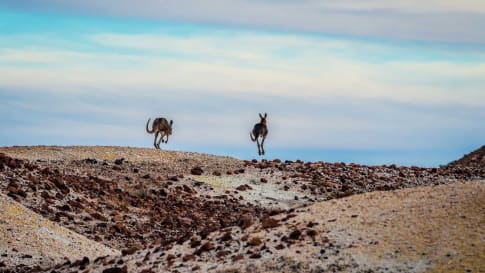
<point>260,130</point>
<point>160,127</point>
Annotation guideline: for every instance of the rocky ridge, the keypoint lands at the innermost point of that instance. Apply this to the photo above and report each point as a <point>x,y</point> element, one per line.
<point>140,199</point>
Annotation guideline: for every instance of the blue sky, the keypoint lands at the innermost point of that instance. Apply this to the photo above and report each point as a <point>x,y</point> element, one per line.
<point>378,83</point>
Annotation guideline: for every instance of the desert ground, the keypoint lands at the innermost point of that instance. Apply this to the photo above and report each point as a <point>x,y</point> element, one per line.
<point>122,209</point>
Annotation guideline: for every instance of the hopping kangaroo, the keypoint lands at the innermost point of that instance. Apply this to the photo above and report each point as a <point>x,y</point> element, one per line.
<point>260,130</point>
<point>160,127</point>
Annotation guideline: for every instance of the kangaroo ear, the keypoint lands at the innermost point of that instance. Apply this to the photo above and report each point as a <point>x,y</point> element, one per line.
<point>265,115</point>
<point>261,116</point>
<point>171,122</point>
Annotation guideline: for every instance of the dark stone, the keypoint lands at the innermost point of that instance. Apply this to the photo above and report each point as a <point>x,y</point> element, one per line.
<point>119,161</point>
<point>194,243</point>
<point>123,269</point>
<point>65,207</point>
<point>84,261</point>
<point>244,187</point>
<point>280,247</point>
<point>255,241</point>
<point>268,222</point>
<point>147,271</point>
<point>197,171</point>
<point>245,221</point>
<point>90,161</point>
<point>128,251</point>
<point>205,247</point>
<point>237,257</point>
<point>174,178</point>
<point>188,257</point>
<point>226,237</point>
<point>312,233</point>
<point>187,188</point>
<point>294,235</point>
<point>255,256</point>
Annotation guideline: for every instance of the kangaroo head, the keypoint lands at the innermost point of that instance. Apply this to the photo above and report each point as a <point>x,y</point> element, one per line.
<point>263,118</point>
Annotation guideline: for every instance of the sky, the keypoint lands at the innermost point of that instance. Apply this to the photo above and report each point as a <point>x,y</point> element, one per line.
<point>372,82</point>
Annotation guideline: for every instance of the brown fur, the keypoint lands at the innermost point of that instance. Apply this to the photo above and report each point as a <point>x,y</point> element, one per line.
<point>260,130</point>
<point>160,127</point>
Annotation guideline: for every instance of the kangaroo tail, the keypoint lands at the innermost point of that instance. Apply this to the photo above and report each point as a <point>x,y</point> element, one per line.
<point>252,137</point>
<point>148,130</point>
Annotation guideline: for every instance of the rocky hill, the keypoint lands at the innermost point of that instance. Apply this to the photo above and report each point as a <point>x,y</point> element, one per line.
<point>475,159</point>
<point>178,204</point>
<point>426,229</point>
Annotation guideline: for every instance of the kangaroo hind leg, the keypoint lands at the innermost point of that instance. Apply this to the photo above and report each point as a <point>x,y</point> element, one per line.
<point>155,140</point>
<point>161,139</point>
<point>259,146</point>
<point>262,145</point>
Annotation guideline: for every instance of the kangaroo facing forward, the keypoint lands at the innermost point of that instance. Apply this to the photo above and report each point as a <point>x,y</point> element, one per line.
<point>160,127</point>
<point>260,130</point>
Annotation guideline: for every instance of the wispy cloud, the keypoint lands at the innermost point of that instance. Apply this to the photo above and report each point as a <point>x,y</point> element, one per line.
<point>273,64</point>
<point>432,20</point>
<point>410,6</point>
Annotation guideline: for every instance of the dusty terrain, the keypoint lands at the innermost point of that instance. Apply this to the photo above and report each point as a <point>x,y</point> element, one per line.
<point>411,230</point>
<point>40,243</point>
<point>178,211</point>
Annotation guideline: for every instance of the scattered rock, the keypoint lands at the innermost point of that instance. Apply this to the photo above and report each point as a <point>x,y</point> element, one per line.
<point>226,237</point>
<point>255,241</point>
<point>312,233</point>
<point>116,270</point>
<point>196,171</point>
<point>237,257</point>
<point>245,221</point>
<point>174,178</point>
<point>295,235</point>
<point>91,161</point>
<point>129,251</point>
<point>244,187</point>
<point>119,161</point>
<point>171,257</point>
<point>188,257</point>
<point>268,222</point>
<point>205,247</point>
<point>255,256</point>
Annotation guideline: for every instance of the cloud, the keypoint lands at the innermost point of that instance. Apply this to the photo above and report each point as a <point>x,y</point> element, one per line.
<point>435,20</point>
<point>409,6</point>
<point>258,63</point>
